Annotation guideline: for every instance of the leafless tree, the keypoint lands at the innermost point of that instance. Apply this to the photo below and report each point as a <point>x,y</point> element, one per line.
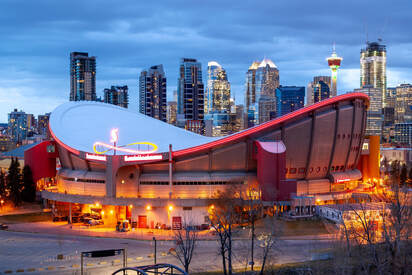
<point>185,240</point>
<point>267,240</point>
<point>381,236</point>
<point>397,225</point>
<point>224,216</point>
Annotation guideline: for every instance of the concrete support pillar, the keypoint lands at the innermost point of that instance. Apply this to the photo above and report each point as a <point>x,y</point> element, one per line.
<point>70,212</point>
<point>170,171</point>
<point>113,164</point>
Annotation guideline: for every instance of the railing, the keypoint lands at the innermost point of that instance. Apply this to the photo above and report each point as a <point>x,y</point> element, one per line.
<point>158,269</point>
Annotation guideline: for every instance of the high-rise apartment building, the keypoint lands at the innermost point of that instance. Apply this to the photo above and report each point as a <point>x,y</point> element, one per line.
<point>217,97</point>
<point>117,95</point>
<point>43,124</point>
<point>17,126</point>
<point>403,103</point>
<point>82,77</point>
<point>389,115</point>
<point>262,79</point>
<point>190,95</point>
<point>373,67</point>
<point>374,114</point>
<point>152,93</point>
<point>318,89</point>
<point>289,99</point>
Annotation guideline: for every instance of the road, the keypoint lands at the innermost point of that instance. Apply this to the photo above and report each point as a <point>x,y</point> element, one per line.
<point>37,253</point>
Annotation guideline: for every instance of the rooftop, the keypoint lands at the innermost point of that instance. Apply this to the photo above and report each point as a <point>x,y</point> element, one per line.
<point>356,206</point>
<point>80,125</point>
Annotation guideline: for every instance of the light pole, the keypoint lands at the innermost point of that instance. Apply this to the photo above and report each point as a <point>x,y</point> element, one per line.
<point>155,250</point>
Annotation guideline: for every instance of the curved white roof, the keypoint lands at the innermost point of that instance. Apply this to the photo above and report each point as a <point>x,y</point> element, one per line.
<point>81,124</point>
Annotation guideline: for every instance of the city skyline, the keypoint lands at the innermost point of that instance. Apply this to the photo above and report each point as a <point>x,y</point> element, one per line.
<point>37,76</point>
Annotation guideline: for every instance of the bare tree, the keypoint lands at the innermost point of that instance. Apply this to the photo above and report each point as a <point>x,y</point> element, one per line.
<point>397,224</point>
<point>224,216</point>
<point>268,240</point>
<point>185,240</point>
<point>380,234</point>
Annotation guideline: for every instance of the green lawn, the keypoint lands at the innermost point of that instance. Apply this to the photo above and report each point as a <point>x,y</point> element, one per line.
<point>29,217</point>
<point>317,267</point>
<point>290,228</point>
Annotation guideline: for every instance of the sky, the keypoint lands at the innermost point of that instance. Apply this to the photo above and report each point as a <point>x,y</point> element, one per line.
<point>128,36</point>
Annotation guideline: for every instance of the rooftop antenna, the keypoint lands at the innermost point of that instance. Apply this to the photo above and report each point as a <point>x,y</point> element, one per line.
<point>334,47</point>
<point>380,39</point>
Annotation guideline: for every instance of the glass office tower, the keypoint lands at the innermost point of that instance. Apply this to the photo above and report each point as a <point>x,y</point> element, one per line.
<point>262,79</point>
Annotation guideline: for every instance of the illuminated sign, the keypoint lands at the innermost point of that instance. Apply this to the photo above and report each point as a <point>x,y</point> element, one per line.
<point>102,148</point>
<point>343,180</point>
<point>95,157</point>
<point>143,157</point>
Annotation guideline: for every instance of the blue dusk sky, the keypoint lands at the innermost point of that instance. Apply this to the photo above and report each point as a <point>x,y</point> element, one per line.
<point>129,36</point>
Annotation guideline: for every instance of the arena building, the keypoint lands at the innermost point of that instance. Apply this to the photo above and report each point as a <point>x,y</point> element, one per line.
<point>131,166</point>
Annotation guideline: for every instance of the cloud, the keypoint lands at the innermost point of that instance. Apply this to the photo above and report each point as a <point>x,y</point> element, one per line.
<point>126,37</point>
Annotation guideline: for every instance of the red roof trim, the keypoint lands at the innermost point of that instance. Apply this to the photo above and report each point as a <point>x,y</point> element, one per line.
<point>271,123</point>
<point>68,148</point>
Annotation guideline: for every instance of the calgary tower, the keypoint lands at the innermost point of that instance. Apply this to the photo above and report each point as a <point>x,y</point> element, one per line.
<point>334,63</point>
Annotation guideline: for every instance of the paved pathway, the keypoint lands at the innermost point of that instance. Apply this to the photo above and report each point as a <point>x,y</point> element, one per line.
<point>36,253</point>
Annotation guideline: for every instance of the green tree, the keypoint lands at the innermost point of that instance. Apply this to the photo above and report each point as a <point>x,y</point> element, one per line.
<point>29,186</point>
<point>410,175</point>
<point>2,184</point>
<point>14,182</point>
<point>403,175</point>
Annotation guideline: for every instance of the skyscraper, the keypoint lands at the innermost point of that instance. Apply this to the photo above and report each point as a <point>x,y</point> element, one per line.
<point>82,77</point>
<point>389,115</point>
<point>289,99</point>
<point>262,79</point>
<point>117,95</point>
<point>374,114</point>
<point>373,67</point>
<point>217,97</point>
<point>17,126</point>
<point>334,63</point>
<point>403,103</point>
<point>190,95</point>
<point>152,93</point>
<point>318,89</point>
<point>217,101</point>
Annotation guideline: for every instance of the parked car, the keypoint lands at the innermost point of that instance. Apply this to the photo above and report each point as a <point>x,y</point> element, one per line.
<point>96,222</point>
<point>4,226</point>
<point>60,218</point>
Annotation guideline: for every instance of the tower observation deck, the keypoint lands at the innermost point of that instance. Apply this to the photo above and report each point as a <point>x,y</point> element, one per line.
<point>334,62</point>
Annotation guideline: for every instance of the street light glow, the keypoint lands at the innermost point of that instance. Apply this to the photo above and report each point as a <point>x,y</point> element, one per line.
<point>170,207</point>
